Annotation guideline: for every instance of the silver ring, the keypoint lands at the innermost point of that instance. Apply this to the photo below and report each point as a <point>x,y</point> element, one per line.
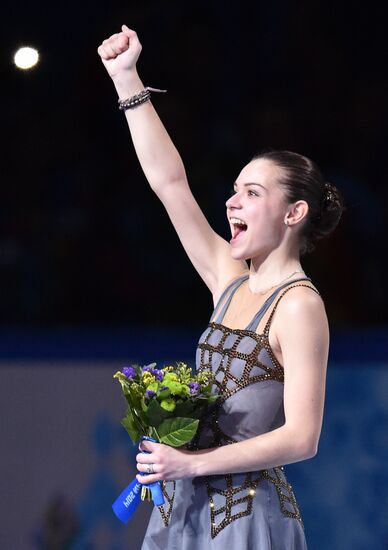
<point>150,469</point>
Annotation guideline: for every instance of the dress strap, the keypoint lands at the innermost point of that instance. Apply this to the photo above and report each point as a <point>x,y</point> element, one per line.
<point>219,313</point>
<point>264,308</point>
<point>268,323</point>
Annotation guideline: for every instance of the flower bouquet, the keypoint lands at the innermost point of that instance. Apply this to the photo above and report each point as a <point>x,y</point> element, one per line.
<point>164,405</point>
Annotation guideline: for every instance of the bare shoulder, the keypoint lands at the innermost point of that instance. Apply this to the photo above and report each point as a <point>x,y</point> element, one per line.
<point>301,300</point>
<point>300,311</point>
<point>300,323</point>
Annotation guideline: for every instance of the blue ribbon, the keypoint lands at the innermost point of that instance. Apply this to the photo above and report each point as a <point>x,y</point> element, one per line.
<point>126,504</point>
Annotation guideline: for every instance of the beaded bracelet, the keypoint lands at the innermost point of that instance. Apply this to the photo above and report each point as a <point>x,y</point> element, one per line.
<point>137,99</point>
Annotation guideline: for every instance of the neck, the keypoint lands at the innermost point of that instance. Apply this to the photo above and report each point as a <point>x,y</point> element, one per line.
<point>270,270</point>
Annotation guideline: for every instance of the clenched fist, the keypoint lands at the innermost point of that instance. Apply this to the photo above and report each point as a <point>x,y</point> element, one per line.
<point>120,52</point>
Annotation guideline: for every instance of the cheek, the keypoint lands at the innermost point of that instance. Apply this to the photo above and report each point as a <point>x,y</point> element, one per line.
<point>267,226</point>
<point>275,213</point>
<point>266,215</point>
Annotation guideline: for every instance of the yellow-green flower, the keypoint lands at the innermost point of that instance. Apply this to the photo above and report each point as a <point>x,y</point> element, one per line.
<point>185,389</point>
<point>170,376</point>
<point>119,376</point>
<point>176,388</point>
<point>148,378</point>
<point>168,404</point>
<point>153,386</point>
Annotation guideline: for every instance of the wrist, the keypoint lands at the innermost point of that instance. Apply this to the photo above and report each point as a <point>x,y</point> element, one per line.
<point>127,84</point>
<point>197,463</point>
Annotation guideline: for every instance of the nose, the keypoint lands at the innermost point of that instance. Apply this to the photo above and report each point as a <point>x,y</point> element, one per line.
<point>233,201</point>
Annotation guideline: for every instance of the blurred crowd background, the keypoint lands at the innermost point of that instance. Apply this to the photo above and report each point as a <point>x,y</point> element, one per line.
<point>92,272</point>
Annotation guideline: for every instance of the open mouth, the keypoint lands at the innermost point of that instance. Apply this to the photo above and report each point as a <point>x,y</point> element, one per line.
<point>238,227</point>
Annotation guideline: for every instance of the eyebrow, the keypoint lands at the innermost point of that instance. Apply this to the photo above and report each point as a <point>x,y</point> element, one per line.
<point>253,183</point>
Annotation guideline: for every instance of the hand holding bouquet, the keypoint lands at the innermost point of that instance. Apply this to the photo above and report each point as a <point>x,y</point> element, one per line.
<point>164,405</point>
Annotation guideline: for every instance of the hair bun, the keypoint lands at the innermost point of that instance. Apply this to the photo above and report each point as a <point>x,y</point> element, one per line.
<point>332,199</point>
<point>332,207</point>
<point>331,196</point>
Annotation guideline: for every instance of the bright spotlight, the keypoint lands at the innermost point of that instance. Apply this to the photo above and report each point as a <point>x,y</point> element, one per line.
<point>26,58</point>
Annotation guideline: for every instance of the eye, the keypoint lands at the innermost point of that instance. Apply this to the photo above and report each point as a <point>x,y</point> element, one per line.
<point>253,193</point>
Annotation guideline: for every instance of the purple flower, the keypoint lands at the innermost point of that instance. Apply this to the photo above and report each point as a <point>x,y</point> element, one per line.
<point>129,372</point>
<point>159,374</point>
<point>150,393</point>
<point>146,369</point>
<point>194,387</point>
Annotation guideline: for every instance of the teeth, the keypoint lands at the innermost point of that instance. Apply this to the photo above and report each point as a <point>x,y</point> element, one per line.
<point>237,221</point>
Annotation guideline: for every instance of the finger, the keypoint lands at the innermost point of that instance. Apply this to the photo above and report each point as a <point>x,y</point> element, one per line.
<point>108,48</point>
<point>129,32</point>
<point>152,478</point>
<point>122,42</point>
<point>114,46</point>
<point>106,54</point>
<point>144,458</point>
<point>118,43</point>
<point>143,468</point>
<point>102,53</point>
<point>113,37</point>
<point>148,446</point>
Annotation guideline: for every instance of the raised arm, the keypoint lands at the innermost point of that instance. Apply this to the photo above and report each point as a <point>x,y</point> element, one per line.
<point>164,170</point>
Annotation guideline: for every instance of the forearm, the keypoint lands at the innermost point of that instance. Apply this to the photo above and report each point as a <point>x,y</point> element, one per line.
<point>159,159</point>
<point>278,447</point>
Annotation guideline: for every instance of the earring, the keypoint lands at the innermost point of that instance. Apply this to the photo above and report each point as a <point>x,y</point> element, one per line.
<point>286,221</point>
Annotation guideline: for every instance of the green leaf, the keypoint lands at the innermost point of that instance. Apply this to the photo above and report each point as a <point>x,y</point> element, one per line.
<point>212,398</point>
<point>134,400</point>
<point>200,410</point>
<point>144,406</point>
<point>177,431</point>
<point>131,426</point>
<point>164,394</point>
<point>123,382</point>
<point>184,409</point>
<point>154,434</point>
<point>156,414</point>
<point>207,389</point>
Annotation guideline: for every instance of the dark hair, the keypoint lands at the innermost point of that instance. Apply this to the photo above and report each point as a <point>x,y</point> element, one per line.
<point>303,180</point>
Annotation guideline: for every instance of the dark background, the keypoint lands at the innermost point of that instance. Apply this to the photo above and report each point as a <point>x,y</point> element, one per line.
<point>84,241</point>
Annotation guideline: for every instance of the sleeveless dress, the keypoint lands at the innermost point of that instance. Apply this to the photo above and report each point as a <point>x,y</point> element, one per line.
<point>245,511</point>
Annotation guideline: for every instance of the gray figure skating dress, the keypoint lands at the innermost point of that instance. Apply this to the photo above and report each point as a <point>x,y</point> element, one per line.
<point>245,511</point>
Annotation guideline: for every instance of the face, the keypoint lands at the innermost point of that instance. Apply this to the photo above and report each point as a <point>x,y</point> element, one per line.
<point>256,210</point>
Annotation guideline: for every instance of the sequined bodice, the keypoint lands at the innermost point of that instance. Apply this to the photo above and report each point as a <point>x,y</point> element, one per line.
<point>239,359</point>
<point>248,377</point>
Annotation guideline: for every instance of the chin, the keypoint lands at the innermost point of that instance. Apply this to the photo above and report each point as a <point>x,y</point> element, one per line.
<point>239,255</point>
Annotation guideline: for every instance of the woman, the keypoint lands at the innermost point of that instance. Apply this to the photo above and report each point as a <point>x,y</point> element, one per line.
<point>267,341</point>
